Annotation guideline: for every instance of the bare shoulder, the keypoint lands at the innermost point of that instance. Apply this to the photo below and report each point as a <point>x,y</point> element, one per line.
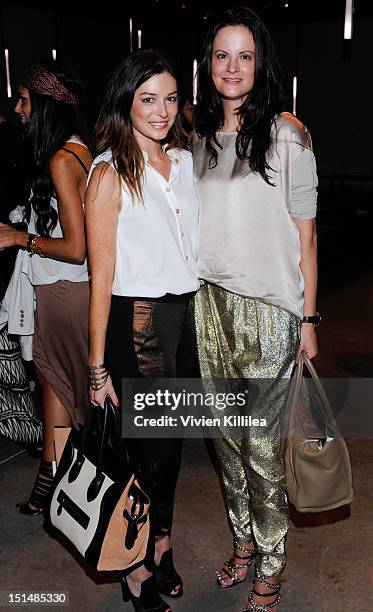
<point>59,160</point>
<point>104,183</point>
<point>104,174</point>
<point>289,127</point>
<point>63,160</point>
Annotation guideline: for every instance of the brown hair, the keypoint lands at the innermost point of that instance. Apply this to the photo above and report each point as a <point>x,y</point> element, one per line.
<point>114,127</point>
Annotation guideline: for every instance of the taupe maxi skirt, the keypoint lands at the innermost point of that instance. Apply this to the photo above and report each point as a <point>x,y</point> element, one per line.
<point>60,345</point>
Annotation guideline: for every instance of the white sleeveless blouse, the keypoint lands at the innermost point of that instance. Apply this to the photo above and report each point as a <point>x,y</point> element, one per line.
<point>156,242</point>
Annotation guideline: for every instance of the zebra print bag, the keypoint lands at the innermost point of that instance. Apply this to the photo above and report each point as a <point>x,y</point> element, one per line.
<point>17,410</point>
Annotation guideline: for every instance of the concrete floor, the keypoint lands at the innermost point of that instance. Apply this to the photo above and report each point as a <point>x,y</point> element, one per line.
<point>330,556</point>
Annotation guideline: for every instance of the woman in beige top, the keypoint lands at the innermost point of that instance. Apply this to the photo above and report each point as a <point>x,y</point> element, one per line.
<point>256,178</point>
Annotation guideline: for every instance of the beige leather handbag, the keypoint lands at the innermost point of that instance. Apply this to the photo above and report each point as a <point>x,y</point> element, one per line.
<point>317,463</point>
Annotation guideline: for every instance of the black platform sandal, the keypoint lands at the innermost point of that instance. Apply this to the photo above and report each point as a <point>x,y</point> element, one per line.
<point>230,569</point>
<point>40,495</point>
<point>149,599</point>
<point>275,588</point>
<point>166,576</point>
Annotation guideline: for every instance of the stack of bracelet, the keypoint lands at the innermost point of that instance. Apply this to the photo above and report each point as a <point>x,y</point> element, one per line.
<point>35,245</point>
<point>97,376</point>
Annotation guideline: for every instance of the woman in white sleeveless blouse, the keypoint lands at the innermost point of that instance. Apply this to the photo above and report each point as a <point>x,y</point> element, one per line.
<point>142,214</point>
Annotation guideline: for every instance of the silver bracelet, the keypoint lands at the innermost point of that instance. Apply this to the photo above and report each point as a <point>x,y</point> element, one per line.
<point>97,376</point>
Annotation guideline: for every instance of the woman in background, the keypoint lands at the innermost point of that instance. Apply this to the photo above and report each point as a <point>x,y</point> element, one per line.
<point>255,174</point>
<point>144,273</point>
<point>52,254</point>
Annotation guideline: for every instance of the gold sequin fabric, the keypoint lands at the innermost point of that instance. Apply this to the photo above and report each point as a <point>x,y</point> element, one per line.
<point>240,337</point>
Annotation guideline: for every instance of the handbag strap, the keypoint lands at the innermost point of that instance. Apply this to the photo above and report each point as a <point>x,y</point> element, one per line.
<point>324,406</point>
<point>90,418</point>
<point>294,393</point>
<point>291,404</point>
<point>112,426</point>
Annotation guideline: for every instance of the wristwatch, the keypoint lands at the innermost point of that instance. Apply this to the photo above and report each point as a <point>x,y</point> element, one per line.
<point>315,320</point>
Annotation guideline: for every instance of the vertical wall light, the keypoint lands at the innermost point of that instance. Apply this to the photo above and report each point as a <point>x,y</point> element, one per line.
<point>295,88</point>
<point>131,35</point>
<point>8,85</point>
<point>139,34</point>
<point>348,19</point>
<point>56,38</point>
<point>195,82</point>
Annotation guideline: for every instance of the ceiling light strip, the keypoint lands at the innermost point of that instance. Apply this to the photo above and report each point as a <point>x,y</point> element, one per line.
<point>348,19</point>
<point>195,82</point>
<point>8,85</point>
<point>295,91</point>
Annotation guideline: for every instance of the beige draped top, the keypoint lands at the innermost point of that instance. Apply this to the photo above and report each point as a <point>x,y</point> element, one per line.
<point>248,241</point>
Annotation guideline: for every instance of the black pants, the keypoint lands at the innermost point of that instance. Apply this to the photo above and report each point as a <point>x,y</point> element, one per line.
<point>153,339</point>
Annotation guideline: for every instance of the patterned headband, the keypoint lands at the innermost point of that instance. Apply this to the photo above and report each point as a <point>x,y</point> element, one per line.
<point>43,82</point>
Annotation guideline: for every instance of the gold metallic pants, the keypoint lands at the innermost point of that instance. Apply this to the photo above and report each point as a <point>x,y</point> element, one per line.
<point>245,338</point>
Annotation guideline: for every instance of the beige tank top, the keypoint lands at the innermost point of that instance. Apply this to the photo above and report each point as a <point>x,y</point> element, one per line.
<point>248,241</point>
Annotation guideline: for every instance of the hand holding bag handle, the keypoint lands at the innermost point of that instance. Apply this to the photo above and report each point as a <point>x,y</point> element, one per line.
<point>110,423</point>
<point>111,416</point>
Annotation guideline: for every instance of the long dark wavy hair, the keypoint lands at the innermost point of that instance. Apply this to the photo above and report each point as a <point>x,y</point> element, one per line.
<point>262,104</point>
<point>114,127</point>
<point>51,123</point>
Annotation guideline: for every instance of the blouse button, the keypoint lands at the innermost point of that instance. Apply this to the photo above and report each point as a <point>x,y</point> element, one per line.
<point>182,234</point>
<point>168,189</point>
<point>177,211</point>
<point>186,257</point>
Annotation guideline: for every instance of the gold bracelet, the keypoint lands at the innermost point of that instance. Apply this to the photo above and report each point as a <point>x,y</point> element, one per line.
<point>37,245</point>
<point>30,239</point>
<point>32,245</point>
